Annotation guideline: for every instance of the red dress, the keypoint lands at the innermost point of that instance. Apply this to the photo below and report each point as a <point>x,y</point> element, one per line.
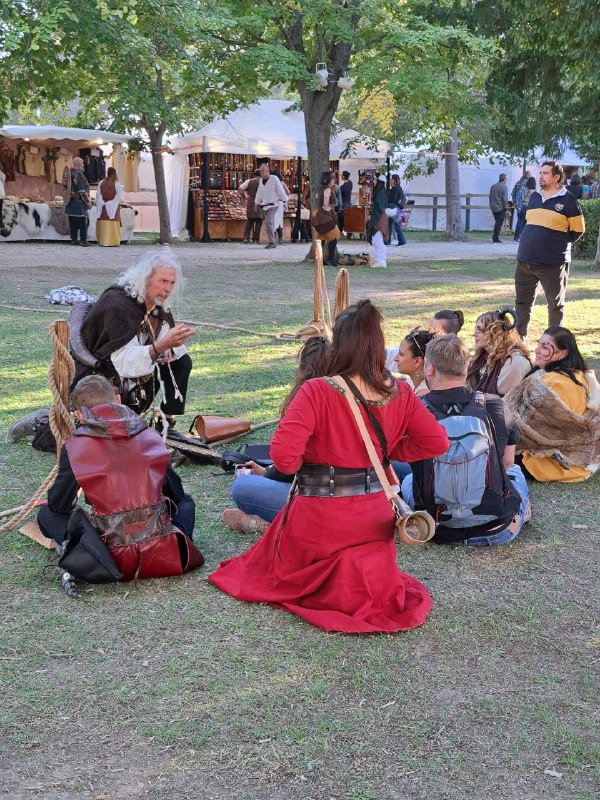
<point>335,563</point>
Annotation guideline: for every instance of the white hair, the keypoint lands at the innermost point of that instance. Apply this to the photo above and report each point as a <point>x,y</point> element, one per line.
<point>135,279</point>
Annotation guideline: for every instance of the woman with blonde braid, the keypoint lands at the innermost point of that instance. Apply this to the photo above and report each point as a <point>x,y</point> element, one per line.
<point>501,359</point>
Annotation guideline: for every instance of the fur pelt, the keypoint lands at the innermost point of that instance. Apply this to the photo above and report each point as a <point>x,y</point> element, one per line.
<point>547,426</point>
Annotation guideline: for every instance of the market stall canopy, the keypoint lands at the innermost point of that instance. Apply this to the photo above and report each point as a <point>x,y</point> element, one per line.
<point>267,128</point>
<point>41,134</point>
<point>358,146</point>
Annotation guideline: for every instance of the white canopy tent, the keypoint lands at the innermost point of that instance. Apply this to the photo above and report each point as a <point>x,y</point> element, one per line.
<point>267,128</point>
<point>41,134</point>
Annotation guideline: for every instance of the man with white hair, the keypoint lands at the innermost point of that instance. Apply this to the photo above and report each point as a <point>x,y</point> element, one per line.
<point>133,339</point>
<point>77,190</point>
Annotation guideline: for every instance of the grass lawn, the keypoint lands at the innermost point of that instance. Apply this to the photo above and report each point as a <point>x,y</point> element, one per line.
<point>171,689</point>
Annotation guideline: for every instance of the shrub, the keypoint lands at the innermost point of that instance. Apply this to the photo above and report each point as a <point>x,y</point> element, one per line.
<point>586,246</point>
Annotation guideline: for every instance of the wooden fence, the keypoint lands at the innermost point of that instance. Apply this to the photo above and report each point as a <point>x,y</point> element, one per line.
<point>467,207</point>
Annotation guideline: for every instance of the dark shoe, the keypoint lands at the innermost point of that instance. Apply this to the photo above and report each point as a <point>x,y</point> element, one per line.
<point>270,247</point>
<point>73,243</point>
<point>27,425</point>
<point>246,241</point>
<point>84,244</point>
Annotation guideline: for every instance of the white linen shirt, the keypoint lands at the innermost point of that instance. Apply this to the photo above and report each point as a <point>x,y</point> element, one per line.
<point>133,360</point>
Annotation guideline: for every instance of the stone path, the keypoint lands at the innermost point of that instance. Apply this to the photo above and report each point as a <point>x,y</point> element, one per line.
<point>39,254</point>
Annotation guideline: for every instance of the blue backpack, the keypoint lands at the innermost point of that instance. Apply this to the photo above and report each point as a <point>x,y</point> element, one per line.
<point>465,487</point>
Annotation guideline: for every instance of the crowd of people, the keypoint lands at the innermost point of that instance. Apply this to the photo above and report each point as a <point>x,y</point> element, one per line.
<point>460,435</point>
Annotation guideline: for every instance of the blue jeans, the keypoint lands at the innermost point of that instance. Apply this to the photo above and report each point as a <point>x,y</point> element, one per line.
<point>501,537</point>
<point>259,496</point>
<point>398,227</point>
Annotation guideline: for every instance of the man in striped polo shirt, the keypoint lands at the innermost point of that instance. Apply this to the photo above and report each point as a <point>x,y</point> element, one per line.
<point>554,222</point>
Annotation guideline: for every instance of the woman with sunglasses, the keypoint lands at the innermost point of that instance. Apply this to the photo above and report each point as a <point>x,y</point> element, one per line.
<point>501,359</point>
<point>410,359</point>
<point>557,412</point>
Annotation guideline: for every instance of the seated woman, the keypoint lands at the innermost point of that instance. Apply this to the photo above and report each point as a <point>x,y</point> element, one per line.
<point>411,358</point>
<point>262,494</point>
<point>501,359</point>
<point>557,412</point>
<point>330,555</point>
<point>446,321</point>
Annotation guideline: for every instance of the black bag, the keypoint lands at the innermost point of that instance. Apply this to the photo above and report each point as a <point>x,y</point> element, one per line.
<point>85,555</point>
<point>43,438</point>
<point>259,453</point>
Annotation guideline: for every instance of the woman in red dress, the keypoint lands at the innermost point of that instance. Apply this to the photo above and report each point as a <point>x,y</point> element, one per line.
<point>330,556</point>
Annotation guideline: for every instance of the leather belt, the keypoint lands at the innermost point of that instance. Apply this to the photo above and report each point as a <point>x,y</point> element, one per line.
<point>321,480</point>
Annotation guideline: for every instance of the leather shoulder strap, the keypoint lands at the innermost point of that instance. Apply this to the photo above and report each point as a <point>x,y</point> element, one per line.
<point>377,465</point>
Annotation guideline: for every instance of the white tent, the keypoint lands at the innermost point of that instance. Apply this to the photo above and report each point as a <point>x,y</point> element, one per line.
<point>40,134</point>
<point>267,128</point>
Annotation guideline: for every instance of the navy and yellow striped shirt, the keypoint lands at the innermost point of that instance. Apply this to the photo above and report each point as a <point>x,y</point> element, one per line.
<point>552,226</point>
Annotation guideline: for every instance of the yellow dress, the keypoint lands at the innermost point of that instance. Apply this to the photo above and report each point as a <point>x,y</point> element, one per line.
<point>544,468</point>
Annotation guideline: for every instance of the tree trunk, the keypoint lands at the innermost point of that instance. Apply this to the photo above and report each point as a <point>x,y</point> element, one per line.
<point>319,109</point>
<point>455,229</point>
<point>156,143</point>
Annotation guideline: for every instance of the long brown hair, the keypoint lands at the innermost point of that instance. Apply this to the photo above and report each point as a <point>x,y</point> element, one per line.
<point>111,176</point>
<point>500,339</point>
<point>359,347</point>
<point>313,362</point>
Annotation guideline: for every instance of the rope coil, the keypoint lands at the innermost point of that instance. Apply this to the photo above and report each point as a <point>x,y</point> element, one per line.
<point>60,376</point>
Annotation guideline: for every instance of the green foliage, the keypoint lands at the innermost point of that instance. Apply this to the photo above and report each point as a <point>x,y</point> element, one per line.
<point>586,246</point>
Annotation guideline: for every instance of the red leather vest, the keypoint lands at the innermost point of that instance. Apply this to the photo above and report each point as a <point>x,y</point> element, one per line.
<point>121,472</point>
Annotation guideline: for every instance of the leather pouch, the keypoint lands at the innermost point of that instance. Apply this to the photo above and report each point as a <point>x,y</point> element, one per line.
<point>214,429</point>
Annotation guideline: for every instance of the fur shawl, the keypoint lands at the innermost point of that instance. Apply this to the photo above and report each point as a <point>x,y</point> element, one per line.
<point>547,426</point>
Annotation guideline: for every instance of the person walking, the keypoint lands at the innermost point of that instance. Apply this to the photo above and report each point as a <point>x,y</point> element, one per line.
<point>554,221</point>
<point>248,190</point>
<point>397,201</point>
<point>378,223</point>
<point>270,192</point>
<point>498,204</point>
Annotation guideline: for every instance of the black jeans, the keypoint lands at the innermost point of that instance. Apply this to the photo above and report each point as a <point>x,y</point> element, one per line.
<point>554,283</point>
<point>78,224</point>
<point>499,217</point>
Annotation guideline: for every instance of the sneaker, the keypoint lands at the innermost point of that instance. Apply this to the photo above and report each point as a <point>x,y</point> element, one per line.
<point>246,241</point>
<point>27,425</point>
<point>270,247</point>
